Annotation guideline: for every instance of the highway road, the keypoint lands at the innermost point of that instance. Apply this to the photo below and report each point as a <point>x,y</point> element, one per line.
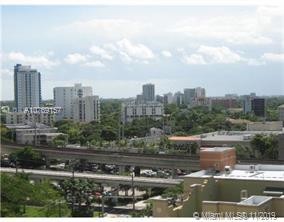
<point>99,178</point>
<point>183,162</point>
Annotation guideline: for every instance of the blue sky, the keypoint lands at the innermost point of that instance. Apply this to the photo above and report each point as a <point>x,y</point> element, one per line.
<point>116,49</point>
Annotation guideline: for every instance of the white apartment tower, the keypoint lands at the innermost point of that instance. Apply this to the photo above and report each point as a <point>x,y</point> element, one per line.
<point>86,109</point>
<point>27,87</point>
<point>64,97</point>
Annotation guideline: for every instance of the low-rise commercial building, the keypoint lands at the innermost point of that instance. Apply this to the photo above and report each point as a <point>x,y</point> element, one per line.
<point>26,134</point>
<point>281,113</point>
<point>230,138</point>
<point>226,103</point>
<point>265,126</point>
<point>227,190</point>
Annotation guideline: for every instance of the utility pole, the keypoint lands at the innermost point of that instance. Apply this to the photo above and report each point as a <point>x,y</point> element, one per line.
<point>73,184</point>
<point>34,122</point>
<point>16,164</point>
<point>133,191</point>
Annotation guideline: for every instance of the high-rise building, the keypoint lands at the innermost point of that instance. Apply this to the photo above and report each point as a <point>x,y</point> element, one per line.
<point>148,92</point>
<point>86,109</point>
<point>27,87</point>
<point>160,99</point>
<point>168,98</point>
<point>258,106</point>
<point>246,104</point>
<point>64,97</point>
<point>178,98</point>
<point>139,99</point>
<point>200,92</point>
<point>189,96</point>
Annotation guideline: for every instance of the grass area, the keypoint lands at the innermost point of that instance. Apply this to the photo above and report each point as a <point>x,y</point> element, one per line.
<point>97,214</point>
<point>36,211</point>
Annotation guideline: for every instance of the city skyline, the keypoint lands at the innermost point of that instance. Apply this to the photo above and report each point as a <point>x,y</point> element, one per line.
<point>118,49</point>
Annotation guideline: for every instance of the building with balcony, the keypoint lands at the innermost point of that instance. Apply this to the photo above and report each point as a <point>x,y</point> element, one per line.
<point>64,97</point>
<point>131,111</point>
<point>27,87</point>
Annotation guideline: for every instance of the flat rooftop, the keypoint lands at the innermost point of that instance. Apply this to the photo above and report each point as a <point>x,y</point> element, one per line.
<point>215,149</point>
<point>184,138</point>
<point>244,172</point>
<point>255,200</point>
<point>223,138</point>
<point>45,134</point>
<point>26,126</point>
<point>235,135</point>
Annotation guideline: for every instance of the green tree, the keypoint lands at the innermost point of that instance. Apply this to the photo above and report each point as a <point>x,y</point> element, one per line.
<point>17,193</point>
<point>60,140</point>
<point>173,192</point>
<point>80,194</point>
<point>266,145</point>
<point>108,134</point>
<point>27,158</point>
<point>6,134</point>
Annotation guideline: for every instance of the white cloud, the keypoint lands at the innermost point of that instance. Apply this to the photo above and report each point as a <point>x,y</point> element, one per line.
<point>273,57</point>
<point>106,28</point>
<point>94,64</point>
<point>255,62</point>
<point>218,54</point>
<point>101,52</point>
<point>75,58</point>
<point>6,73</point>
<point>231,29</point>
<point>211,55</point>
<point>166,53</point>
<point>136,52</point>
<point>194,59</point>
<point>39,61</point>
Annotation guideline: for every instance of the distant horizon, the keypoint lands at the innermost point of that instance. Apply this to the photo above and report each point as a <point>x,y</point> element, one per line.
<point>116,49</point>
<point>133,97</point>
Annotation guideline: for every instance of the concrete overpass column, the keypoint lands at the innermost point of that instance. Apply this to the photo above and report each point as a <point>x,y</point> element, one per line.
<point>47,162</point>
<point>149,191</point>
<point>126,192</point>
<point>121,169</point>
<point>115,192</point>
<point>173,173</point>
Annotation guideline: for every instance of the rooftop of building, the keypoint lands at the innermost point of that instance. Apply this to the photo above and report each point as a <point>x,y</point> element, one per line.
<point>184,138</point>
<point>224,136</point>
<point>235,135</point>
<point>19,127</point>
<point>255,200</point>
<point>215,149</point>
<point>45,134</point>
<point>245,172</point>
<point>281,106</point>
